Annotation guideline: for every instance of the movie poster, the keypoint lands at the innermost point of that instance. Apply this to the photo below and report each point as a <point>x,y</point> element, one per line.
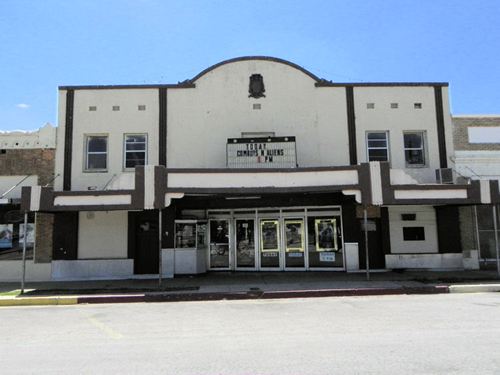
<point>269,235</point>
<point>30,237</point>
<point>326,234</point>
<point>6,234</point>
<point>293,235</point>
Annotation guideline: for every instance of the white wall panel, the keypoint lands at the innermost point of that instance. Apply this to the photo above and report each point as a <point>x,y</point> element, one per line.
<point>102,235</point>
<point>426,217</point>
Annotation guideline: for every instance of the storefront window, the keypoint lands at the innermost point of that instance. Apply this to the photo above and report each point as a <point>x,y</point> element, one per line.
<point>185,235</point>
<point>219,244</point>
<point>487,231</point>
<point>201,232</point>
<point>245,243</point>
<point>12,233</point>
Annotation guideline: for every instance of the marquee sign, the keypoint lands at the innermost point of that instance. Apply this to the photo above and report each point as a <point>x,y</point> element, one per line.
<point>272,152</point>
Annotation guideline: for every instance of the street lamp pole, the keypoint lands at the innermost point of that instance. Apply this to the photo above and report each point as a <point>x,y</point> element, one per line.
<point>160,266</point>
<point>365,219</point>
<point>23,278</point>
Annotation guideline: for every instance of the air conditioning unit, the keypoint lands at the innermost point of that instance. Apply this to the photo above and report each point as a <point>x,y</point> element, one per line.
<point>444,176</point>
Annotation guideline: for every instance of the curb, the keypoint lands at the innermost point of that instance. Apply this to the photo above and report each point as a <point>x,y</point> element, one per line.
<point>38,301</point>
<point>254,294</point>
<point>218,296</point>
<point>477,288</point>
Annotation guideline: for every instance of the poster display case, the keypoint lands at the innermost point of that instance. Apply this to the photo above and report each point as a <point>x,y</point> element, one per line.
<point>294,243</point>
<point>269,244</point>
<point>185,234</point>
<point>326,234</point>
<point>324,242</point>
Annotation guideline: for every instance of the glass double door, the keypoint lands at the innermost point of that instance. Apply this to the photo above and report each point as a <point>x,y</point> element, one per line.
<point>257,244</point>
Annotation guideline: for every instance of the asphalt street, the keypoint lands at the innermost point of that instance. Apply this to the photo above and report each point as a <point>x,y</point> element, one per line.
<point>417,334</point>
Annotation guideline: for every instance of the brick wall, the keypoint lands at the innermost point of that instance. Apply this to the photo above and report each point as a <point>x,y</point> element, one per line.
<point>43,237</point>
<point>37,161</point>
<point>468,234</point>
<point>40,162</point>
<point>461,136</point>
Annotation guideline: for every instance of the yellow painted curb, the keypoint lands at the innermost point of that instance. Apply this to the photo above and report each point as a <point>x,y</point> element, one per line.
<point>38,301</point>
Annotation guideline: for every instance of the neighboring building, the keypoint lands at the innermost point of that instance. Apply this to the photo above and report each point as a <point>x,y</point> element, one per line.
<point>26,159</point>
<point>255,164</point>
<point>477,157</point>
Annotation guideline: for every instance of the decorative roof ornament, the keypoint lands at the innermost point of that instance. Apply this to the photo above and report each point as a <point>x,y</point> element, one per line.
<point>256,86</point>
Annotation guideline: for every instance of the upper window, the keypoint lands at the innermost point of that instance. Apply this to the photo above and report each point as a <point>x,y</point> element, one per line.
<point>135,150</point>
<point>96,152</point>
<point>377,146</point>
<point>414,149</point>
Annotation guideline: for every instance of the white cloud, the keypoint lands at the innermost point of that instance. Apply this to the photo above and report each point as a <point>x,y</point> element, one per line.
<point>23,105</point>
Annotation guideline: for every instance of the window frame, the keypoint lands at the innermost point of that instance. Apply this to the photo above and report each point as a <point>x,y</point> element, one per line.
<point>125,135</point>
<point>422,133</point>
<point>387,147</point>
<point>87,137</point>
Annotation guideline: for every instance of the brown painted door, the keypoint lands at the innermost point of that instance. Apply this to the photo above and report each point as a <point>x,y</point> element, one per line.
<point>146,257</point>
<point>375,248</point>
<point>65,236</point>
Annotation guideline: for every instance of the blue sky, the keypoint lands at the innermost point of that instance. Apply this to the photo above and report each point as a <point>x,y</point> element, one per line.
<point>47,43</point>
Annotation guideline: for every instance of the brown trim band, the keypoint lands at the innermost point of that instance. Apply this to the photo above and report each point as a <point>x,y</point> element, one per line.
<point>324,83</point>
<point>494,192</point>
<point>160,183</point>
<point>261,58</point>
<point>68,139</point>
<point>438,95</point>
<point>162,123</point>
<point>351,125</point>
<point>26,198</point>
<point>138,195</point>
<point>180,85</point>
<point>365,183</point>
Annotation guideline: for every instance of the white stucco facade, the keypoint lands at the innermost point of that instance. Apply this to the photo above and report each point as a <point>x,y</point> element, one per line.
<point>187,127</point>
<point>114,124</point>
<point>202,120</point>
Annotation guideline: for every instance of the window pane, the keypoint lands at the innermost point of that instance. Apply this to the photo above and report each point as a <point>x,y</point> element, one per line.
<point>376,136</point>
<point>135,146</point>
<point>96,161</point>
<point>413,234</point>
<point>485,217</point>
<point>377,143</point>
<point>413,140</point>
<point>414,157</point>
<point>135,150</point>
<point>97,144</point>
<point>136,138</point>
<point>135,158</point>
<point>487,244</point>
<point>377,155</point>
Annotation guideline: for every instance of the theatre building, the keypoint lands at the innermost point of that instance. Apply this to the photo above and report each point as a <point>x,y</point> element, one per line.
<point>256,164</point>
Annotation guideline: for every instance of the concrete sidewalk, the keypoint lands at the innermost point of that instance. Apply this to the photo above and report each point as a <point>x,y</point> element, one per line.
<point>249,285</point>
